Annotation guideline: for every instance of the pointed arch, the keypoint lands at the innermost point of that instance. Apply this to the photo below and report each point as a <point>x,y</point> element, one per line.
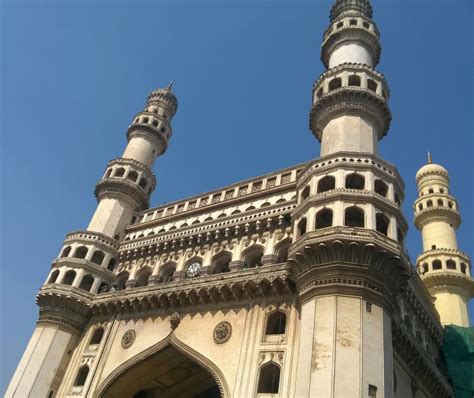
<point>169,341</point>
<point>281,250</point>
<point>252,256</point>
<point>220,262</point>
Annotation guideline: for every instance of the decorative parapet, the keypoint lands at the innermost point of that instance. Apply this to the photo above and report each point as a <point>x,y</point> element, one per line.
<point>451,278</point>
<point>86,265</point>
<point>440,213</point>
<point>90,237</point>
<point>134,165</point>
<point>229,289</point>
<point>119,186</point>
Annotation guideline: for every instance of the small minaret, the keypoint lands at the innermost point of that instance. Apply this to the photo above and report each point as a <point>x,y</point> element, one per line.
<point>87,260</point>
<point>444,269</point>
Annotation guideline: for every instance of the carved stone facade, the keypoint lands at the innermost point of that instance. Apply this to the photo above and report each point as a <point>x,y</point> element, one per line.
<point>292,284</point>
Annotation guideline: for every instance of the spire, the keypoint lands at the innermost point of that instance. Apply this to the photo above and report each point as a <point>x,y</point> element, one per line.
<point>170,85</point>
<point>430,160</point>
<point>359,7</point>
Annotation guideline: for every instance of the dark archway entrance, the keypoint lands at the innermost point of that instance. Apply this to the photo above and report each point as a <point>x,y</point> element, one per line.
<point>167,374</point>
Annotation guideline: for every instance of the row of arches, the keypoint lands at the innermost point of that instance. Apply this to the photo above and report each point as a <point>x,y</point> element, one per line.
<point>437,265</point>
<point>86,284</point>
<point>433,190</point>
<point>353,217</point>
<point>352,181</point>
<point>439,203</point>
<point>132,175</point>
<point>353,80</point>
<point>82,252</point>
<point>151,120</point>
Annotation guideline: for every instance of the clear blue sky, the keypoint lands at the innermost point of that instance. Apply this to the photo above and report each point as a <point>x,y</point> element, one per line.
<point>75,72</point>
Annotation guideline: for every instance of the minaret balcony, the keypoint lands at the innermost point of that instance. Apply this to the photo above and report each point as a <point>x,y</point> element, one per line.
<point>159,135</point>
<point>454,281</point>
<point>133,171</point>
<point>351,29</point>
<point>443,260</point>
<point>436,212</point>
<point>350,89</point>
<point>115,186</point>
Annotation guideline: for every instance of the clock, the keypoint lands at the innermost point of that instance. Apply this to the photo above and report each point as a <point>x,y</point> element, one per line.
<point>193,270</point>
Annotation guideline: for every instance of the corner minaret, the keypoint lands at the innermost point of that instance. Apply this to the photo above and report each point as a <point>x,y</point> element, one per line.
<point>444,269</point>
<point>350,111</point>
<point>87,260</point>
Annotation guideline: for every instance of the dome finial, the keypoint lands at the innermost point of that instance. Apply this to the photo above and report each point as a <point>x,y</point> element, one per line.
<point>170,85</point>
<point>430,160</point>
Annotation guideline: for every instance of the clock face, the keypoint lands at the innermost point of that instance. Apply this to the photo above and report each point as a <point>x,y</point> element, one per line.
<point>193,270</point>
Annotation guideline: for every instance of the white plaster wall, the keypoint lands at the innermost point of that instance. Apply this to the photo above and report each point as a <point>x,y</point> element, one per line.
<point>350,52</point>
<point>111,216</point>
<point>440,234</point>
<point>452,308</point>
<point>141,149</point>
<point>349,133</point>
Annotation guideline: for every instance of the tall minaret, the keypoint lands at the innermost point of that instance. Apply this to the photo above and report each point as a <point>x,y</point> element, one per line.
<point>87,259</point>
<point>445,270</point>
<point>348,254</point>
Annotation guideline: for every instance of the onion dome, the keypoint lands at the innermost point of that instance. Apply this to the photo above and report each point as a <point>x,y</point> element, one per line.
<point>164,95</point>
<point>351,7</point>
<point>431,169</point>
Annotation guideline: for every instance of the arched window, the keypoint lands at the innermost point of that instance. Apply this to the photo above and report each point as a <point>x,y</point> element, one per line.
<point>108,173</point>
<point>269,379</point>
<point>235,212</point>
<point>103,288</point>
<point>436,265</point>
<point>354,217</point>
<point>221,263</point>
<point>450,205</point>
<point>371,85</point>
<point>420,206</point>
<point>326,184</point>
<point>463,268</point>
<point>98,257</point>
<point>250,208</point>
<point>143,182</point>
<point>335,83</point>
<point>429,203</point>
<point>120,281</point>
<point>430,191</point>
<point>97,336</point>
<point>142,278</point>
<point>276,323</point>
<point>167,272</point>
<point>324,218</point>
<point>381,223</point>
<point>381,188</point>
<point>282,251</point>
<point>132,175</point>
<point>424,268</point>
<point>86,283</point>
<point>119,172</point>
<point>81,252</point>
<point>66,251</point>
<point>54,276</point>
<point>305,193</point>
<point>301,227</point>
<point>440,203</point>
<point>450,264</point>
<point>112,264</point>
<point>81,376</point>
<point>355,181</point>
<point>319,93</point>
<point>69,277</point>
<point>354,80</point>
<point>254,257</point>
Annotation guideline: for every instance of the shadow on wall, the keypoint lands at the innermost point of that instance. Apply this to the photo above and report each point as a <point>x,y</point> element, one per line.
<point>458,352</point>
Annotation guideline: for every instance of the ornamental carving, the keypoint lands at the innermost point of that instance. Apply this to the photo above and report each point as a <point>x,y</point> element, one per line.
<point>128,338</point>
<point>222,332</point>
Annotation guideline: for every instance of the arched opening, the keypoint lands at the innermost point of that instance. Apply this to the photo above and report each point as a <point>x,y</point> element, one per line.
<point>143,183</point>
<point>354,217</point>
<point>381,223</point>
<point>424,268</point>
<point>276,323</point>
<point>166,274</point>
<point>69,277</point>
<point>281,251</point>
<point>86,283</point>
<point>324,218</point>
<point>167,373</point>
<point>429,203</point>
<point>450,264</point>
<point>371,85</point>
<point>439,203</point>
<point>132,175</point>
<point>81,252</point>
<point>301,227</point>
<point>98,257</point>
<point>354,80</point>
<point>108,173</point>
<point>305,193</point>
<point>420,206</point>
<point>97,336</point>
<point>253,257</point>
<point>269,379</point>
<point>430,191</point>
<point>112,264</point>
<point>355,181</point>
<point>221,263</point>
<point>120,281</point>
<point>436,265</point>
<point>381,188</point>
<point>81,376</point>
<point>119,172</point>
<point>142,278</point>
<point>326,184</point>
<point>66,251</point>
<point>463,268</point>
<point>335,83</point>
<point>54,276</point>
<point>103,288</point>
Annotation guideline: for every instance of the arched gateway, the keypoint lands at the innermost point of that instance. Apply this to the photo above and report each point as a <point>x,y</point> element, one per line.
<point>168,369</point>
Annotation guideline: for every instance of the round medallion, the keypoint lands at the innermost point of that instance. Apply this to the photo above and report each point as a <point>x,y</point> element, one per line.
<point>193,270</point>
<point>222,332</point>
<point>128,338</point>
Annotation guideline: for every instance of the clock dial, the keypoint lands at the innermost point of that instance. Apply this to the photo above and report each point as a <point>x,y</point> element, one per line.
<point>193,270</point>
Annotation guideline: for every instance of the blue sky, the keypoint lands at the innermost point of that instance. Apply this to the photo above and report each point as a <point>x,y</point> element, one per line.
<point>74,74</point>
